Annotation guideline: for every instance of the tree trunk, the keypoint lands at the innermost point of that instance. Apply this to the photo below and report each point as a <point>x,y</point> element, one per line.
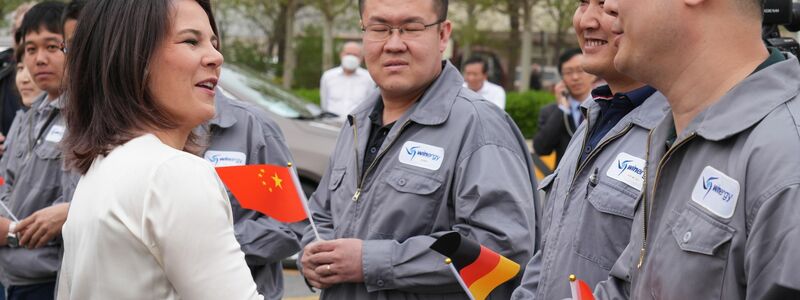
<point>469,33</point>
<point>289,62</point>
<point>327,42</point>
<point>527,49</point>
<point>513,52</point>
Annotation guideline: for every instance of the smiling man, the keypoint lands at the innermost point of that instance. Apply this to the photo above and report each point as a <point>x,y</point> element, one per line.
<point>423,157</point>
<point>719,215</point>
<point>592,195</point>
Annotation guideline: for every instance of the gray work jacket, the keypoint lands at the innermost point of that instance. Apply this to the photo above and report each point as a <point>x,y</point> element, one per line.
<point>722,203</point>
<point>589,208</point>
<point>242,134</point>
<point>35,179</point>
<point>453,162</point>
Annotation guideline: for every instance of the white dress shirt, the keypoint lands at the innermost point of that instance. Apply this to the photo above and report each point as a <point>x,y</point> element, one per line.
<point>340,93</point>
<point>494,93</point>
<point>152,222</point>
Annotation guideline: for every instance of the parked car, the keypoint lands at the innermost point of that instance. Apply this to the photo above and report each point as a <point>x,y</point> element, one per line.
<point>310,133</point>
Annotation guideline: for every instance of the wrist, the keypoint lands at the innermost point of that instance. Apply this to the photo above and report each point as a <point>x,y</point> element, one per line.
<point>11,238</point>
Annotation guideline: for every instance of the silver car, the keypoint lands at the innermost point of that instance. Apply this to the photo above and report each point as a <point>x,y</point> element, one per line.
<point>310,133</point>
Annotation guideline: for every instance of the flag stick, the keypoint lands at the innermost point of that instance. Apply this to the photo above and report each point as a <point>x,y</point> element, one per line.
<point>303,199</point>
<point>449,263</point>
<point>10,214</point>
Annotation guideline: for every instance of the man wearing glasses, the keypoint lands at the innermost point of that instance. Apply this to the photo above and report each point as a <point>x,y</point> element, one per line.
<point>421,157</point>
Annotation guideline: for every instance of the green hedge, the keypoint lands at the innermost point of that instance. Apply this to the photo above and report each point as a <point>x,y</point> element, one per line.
<point>522,107</point>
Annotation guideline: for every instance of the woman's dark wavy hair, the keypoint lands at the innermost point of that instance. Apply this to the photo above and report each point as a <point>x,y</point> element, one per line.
<point>107,99</point>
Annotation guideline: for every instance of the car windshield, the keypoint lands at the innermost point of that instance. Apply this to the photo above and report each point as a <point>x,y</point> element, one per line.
<point>251,86</point>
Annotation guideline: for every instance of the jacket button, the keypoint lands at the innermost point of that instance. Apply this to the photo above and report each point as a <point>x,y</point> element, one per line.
<point>401,181</point>
<point>687,236</point>
<point>379,282</point>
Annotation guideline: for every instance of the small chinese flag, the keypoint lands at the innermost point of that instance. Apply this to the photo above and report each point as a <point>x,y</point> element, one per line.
<point>479,269</point>
<point>580,290</point>
<point>268,189</point>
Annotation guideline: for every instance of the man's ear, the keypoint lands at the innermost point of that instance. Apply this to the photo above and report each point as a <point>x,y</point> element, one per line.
<point>444,35</point>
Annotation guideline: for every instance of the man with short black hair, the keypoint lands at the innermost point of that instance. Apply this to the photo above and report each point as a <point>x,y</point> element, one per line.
<point>476,78</point>
<point>592,195</point>
<point>421,158</point>
<point>70,18</point>
<point>37,190</point>
<point>557,126</point>
<point>718,217</point>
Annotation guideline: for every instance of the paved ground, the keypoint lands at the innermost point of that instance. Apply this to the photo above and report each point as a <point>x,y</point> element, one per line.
<point>295,287</point>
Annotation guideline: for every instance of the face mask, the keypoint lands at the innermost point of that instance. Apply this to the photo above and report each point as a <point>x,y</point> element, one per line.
<point>350,62</point>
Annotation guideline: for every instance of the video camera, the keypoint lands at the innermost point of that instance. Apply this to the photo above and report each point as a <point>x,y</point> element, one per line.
<point>781,12</point>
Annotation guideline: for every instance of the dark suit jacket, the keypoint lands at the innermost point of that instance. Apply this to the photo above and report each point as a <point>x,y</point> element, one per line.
<point>555,131</point>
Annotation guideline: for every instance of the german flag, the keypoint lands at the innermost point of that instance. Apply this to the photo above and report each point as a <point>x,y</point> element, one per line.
<point>480,270</point>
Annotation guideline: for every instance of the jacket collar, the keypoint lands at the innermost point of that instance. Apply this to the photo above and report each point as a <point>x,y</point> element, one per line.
<point>433,108</point>
<point>749,101</point>
<point>651,112</point>
<point>222,117</point>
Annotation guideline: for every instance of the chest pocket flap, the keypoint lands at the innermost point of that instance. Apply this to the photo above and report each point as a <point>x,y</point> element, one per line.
<point>697,232</point>
<point>619,201</point>
<point>407,182</point>
<point>336,178</point>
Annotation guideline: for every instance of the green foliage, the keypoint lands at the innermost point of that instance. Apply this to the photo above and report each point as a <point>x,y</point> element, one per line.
<point>524,109</point>
<point>246,54</point>
<point>309,58</point>
<point>310,95</point>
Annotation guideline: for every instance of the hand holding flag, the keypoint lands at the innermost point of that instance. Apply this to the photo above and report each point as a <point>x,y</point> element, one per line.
<point>478,269</point>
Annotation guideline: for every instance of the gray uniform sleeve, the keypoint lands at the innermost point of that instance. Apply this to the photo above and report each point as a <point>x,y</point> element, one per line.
<point>69,181</point>
<point>772,245</point>
<point>530,280</point>
<point>491,207</point>
<point>264,240</point>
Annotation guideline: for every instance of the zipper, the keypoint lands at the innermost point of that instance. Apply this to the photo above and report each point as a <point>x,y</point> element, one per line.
<point>646,218</point>
<point>358,165</point>
<point>597,150</point>
<point>361,177</point>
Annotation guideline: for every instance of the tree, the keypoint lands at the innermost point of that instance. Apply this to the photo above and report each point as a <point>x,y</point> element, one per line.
<point>467,33</point>
<point>289,58</point>
<point>264,16</point>
<point>330,10</point>
<point>527,44</point>
<point>511,9</point>
<point>561,11</point>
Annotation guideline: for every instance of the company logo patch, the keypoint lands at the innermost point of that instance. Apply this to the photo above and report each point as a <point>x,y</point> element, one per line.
<point>55,134</point>
<point>422,155</point>
<point>628,169</point>
<point>225,158</point>
<point>716,192</point>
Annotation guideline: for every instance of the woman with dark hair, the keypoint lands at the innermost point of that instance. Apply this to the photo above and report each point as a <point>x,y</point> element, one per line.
<point>149,220</point>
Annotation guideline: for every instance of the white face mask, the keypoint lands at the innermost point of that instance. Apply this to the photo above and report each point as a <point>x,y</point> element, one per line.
<point>350,62</point>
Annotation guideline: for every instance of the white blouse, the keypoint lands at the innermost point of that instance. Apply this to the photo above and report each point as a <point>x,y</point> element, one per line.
<point>152,222</point>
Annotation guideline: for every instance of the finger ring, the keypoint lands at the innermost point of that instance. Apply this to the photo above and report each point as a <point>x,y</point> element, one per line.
<point>328,267</point>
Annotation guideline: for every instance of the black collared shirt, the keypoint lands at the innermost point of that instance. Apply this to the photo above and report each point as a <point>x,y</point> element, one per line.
<point>613,107</point>
<point>377,134</point>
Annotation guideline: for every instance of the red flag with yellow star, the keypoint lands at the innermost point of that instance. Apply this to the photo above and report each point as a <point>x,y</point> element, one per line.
<point>268,189</point>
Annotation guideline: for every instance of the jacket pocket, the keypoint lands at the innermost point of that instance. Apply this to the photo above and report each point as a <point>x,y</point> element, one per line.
<point>336,178</point>
<point>701,245</point>
<point>48,151</point>
<point>404,206</point>
<point>605,223</point>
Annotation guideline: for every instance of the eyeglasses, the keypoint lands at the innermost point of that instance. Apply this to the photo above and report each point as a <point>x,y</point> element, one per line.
<point>382,32</point>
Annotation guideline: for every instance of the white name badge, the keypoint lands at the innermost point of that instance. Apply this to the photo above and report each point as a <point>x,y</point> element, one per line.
<point>422,155</point>
<point>225,158</point>
<point>629,169</point>
<point>716,192</point>
<point>55,134</point>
